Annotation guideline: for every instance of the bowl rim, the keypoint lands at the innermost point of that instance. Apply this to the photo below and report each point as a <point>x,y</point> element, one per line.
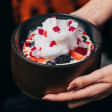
<point>13,46</point>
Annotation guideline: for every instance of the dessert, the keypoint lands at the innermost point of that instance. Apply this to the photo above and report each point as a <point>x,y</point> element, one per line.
<point>58,42</point>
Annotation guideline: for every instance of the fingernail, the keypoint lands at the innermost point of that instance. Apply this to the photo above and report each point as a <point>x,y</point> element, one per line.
<point>47,97</point>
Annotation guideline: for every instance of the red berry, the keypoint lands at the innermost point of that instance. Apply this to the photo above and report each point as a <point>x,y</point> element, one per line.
<point>33,48</point>
<point>81,50</point>
<point>40,31</point>
<point>56,29</point>
<point>69,22</point>
<point>71,28</point>
<point>52,43</point>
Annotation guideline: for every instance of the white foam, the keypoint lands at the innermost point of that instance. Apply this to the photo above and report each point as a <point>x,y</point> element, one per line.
<point>65,40</point>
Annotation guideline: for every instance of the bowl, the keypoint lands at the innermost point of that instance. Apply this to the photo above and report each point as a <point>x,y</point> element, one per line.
<point>35,79</point>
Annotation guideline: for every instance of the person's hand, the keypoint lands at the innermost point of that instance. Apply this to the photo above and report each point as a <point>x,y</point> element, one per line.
<point>84,89</point>
<point>95,11</point>
<point>85,15</point>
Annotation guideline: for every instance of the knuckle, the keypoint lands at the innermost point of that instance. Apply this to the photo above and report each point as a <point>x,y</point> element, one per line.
<point>79,82</point>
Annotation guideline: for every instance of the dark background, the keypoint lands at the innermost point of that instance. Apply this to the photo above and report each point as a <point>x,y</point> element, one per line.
<point>11,99</point>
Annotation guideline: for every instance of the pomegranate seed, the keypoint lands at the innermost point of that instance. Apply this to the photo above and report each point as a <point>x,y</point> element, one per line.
<point>71,28</point>
<point>30,37</point>
<point>56,29</point>
<point>92,46</point>
<point>81,50</point>
<point>34,48</point>
<point>26,55</point>
<point>40,31</point>
<point>78,41</point>
<point>27,44</point>
<point>84,33</point>
<point>91,50</point>
<point>69,22</point>
<point>30,53</point>
<point>45,33</point>
<point>52,43</point>
<point>40,49</point>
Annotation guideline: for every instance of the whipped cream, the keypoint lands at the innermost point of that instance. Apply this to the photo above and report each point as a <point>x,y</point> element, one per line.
<point>56,37</point>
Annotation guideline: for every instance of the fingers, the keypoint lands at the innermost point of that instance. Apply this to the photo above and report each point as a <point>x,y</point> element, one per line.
<point>84,81</point>
<point>75,104</point>
<point>79,94</point>
<point>58,97</point>
<point>101,75</point>
<point>88,86</point>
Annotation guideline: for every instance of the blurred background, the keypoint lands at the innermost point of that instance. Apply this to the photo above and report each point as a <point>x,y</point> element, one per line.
<point>12,13</point>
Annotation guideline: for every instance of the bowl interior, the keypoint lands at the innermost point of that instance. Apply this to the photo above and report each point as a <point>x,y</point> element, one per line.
<point>29,25</point>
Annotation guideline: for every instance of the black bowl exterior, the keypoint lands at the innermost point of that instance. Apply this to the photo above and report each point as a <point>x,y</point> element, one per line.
<point>38,79</point>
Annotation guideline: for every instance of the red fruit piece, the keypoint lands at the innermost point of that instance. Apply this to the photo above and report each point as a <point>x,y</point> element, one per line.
<point>30,36</point>
<point>81,50</point>
<point>27,44</point>
<point>33,59</point>
<point>76,55</point>
<point>26,55</point>
<point>87,42</point>
<point>40,31</point>
<point>52,43</point>
<point>33,48</point>
<point>39,60</point>
<point>40,49</point>
<point>78,41</point>
<point>92,46</point>
<point>84,33</point>
<point>45,33</point>
<point>56,29</point>
<point>71,28</point>
<point>30,53</point>
<point>69,22</point>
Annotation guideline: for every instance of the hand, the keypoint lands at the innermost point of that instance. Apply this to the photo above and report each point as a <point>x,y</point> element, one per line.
<point>83,14</point>
<point>84,89</point>
<point>95,11</point>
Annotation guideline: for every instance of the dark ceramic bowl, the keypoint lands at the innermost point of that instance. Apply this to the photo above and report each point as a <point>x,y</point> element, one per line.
<point>36,79</point>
